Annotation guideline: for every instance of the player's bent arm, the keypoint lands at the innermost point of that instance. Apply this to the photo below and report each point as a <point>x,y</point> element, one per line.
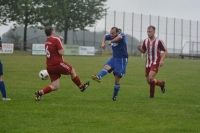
<point>164,55</point>
<point>103,42</point>
<point>61,51</point>
<point>116,39</point>
<point>140,49</point>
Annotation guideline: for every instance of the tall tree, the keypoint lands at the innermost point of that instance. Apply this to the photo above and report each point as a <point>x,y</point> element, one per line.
<point>23,13</point>
<point>73,14</point>
<point>3,12</point>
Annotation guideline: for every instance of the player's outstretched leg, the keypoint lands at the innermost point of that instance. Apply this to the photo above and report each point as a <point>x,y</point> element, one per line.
<point>96,78</point>
<point>101,74</point>
<point>85,86</point>
<point>115,93</point>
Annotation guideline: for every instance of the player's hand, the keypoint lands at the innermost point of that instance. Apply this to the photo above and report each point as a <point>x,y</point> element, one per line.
<point>109,43</point>
<point>138,46</point>
<point>161,63</point>
<point>103,45</point>
<point>0,48</point>
<point>61,38</point>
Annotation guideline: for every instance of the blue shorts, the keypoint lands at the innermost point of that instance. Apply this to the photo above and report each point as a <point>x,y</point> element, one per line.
<point>118,65</point>
<point>1,68</point>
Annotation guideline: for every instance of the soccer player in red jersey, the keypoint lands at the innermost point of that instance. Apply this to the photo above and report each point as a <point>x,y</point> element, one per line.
<point>152,46</point>
<point>56,66</point>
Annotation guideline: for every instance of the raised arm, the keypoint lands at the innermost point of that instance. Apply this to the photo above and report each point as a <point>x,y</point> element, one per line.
<point>103,42</point>
<point>115,39</point>
<point>61,51</point>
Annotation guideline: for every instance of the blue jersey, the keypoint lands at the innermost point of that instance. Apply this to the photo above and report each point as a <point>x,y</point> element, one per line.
<point>119,48</point>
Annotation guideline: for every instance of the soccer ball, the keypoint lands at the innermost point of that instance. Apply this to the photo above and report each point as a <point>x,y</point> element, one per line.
<point>43,74</point>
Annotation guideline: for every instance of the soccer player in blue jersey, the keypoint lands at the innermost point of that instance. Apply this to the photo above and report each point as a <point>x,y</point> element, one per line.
<point>117,62</point>
<point>2,85</point>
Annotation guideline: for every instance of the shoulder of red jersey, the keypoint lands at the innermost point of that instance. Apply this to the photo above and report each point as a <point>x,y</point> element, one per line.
<point>160,40</point>
<point>146,39</point>
<point>57,38</point>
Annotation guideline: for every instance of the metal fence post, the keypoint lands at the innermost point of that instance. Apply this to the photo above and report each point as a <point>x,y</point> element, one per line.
<point>158,25</point>
<point>190,39</point>
<point>132,33</point>
<point>181,36</point>
<point>149,19</point>
<point>123,21</point>
<point>105,20</point>
<point>73,37</point>
<point>174,38</point>
<point>94,34</point>
<point>114,17</point>
<point>197,37</point>
<point>141,30</point>
<point>166,30</point>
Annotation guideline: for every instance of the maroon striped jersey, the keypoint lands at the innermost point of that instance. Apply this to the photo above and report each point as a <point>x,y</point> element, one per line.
<point>153,49</point>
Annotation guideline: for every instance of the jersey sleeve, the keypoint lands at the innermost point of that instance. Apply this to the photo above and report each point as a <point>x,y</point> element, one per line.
<point>108,37</point>
<point>161,45</point>
<point>122,35</point>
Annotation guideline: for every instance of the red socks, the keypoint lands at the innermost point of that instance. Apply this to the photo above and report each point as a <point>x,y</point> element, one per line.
<point>46,90</point>
<point>77,81</point>
<point>152,89</point>
<point>159,83</point>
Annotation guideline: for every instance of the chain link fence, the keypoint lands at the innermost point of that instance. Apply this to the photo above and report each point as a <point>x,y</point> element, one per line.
<point>174,32</point>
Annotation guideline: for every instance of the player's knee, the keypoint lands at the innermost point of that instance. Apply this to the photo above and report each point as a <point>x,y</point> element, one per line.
<point>151,79</point>
<point>55,87</point>
<point>73,73</point>
<point>107,67</point>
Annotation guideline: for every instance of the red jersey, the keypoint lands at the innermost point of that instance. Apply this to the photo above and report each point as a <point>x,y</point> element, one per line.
<point>153,49</point>
<point>52,45</point>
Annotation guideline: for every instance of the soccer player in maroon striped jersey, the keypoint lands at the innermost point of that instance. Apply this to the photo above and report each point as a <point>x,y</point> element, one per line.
<point>56,66</point>
<point>152,46</point>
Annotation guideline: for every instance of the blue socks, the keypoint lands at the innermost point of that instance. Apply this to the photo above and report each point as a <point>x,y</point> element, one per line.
<point>3,89</point>
<point>102,73</point>
<point>116,89</point>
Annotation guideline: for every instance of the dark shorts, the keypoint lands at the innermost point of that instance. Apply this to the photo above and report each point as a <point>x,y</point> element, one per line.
<point>56,71</point>
<point>118,65</point>
<point>152,68</point>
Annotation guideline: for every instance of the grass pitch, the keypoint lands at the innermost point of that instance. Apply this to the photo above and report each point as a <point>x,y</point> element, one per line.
<point>70,111</point>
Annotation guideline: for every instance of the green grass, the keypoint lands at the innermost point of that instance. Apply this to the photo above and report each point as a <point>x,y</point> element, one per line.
<point>68,110</point>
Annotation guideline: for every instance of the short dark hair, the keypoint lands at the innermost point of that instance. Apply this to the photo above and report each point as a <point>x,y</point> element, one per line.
<point>48,30</point>
<point>153,27</point>
<point>117,30</point>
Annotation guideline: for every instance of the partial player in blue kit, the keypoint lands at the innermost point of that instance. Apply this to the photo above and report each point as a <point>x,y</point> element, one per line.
<point>118,62</point>
<point>2,85</point>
